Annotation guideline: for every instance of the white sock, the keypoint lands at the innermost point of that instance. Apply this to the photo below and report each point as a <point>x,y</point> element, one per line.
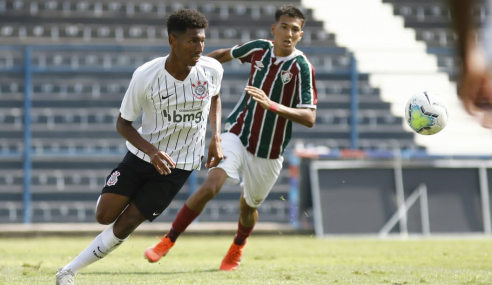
<point>101,246</point>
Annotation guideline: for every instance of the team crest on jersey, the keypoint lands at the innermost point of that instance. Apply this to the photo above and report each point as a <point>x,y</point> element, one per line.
<point>113,179</point>
<point>200,90</point>
<point>286,76</point>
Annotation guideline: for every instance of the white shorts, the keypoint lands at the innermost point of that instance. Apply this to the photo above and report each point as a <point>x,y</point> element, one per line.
<point>259,174</point>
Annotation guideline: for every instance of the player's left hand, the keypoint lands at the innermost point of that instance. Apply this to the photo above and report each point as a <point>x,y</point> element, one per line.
<point>259,96</point>
<point>215,154</point>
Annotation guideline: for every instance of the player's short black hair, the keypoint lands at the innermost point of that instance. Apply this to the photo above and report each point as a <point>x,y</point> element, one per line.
<point>290,11</point>
<point>181,20</point>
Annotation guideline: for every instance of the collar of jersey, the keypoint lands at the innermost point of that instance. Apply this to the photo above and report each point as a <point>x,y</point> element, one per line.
<point>279,59</point>
<point>169,74</point>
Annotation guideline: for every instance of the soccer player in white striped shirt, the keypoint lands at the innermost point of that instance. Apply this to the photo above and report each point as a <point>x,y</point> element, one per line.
<point>177,94</point>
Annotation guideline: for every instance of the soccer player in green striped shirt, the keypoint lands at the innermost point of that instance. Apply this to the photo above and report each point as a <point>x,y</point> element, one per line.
<point>281,89</point>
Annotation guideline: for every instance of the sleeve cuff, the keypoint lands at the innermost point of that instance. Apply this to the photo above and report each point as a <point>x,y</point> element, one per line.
<point>128,117</point>
<point>310,106</point>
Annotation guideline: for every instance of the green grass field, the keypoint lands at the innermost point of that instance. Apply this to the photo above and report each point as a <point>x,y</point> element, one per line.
<point>267,260</point>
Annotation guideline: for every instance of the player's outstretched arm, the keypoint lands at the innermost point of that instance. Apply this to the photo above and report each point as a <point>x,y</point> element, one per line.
<point>161,160</point>
<point>222,55</point>
<point>461,17</point>
<point>215,154</point>
<point>473,64</point>
<point>303,116</point>
<point>475,82</point>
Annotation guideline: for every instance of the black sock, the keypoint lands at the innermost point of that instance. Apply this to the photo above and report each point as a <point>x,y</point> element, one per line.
<point>173,235</point>
<point>239,241</point>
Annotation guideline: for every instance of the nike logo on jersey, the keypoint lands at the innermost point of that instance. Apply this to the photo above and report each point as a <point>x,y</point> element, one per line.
<point>156,214</point>
<point>259,65</point>
<point>165,97</point>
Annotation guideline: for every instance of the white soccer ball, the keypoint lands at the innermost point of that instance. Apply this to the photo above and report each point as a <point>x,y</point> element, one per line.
<point>426,113</point>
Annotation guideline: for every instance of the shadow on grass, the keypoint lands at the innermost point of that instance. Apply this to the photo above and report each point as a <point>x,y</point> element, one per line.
<point>152,272</point>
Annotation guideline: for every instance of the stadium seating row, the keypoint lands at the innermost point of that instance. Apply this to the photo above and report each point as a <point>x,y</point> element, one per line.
<point>56,33</point>
<point>82,181</point>
<point>138,9</point>
<point>107,60</point>
<point>83,212</point>
<point>83,87</point>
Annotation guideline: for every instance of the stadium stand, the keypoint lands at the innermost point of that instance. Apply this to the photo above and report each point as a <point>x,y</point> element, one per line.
<point>431,21</point>
<point>399,63</point>
<point>77,92</point>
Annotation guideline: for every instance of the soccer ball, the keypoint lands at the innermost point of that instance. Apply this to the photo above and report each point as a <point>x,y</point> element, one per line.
<point>426,113</point>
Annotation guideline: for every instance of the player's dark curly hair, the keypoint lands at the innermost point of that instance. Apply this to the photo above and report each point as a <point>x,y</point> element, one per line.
<point>290,11</point>
<point>183,19</point>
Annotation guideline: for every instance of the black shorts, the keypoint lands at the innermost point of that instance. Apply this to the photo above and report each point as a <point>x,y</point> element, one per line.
<point>139,180</point>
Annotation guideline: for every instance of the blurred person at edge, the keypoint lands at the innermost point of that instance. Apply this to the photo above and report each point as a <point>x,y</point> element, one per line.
<point>475,76</point>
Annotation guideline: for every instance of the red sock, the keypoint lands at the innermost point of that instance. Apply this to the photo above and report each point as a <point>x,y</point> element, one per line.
<point>185,217</point>
<point>242,234</point>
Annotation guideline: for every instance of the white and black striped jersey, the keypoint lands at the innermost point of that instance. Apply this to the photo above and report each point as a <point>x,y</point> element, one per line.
<point>175,112</point>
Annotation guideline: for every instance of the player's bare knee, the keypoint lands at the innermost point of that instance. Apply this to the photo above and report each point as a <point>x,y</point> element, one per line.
<point>208,194</point>
<point>131,224</point>
<point>209,191</point>
<point>104,219</point>
<point>246,210</point>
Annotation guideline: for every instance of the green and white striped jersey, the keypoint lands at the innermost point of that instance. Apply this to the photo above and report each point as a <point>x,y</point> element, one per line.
<point>286,80</point>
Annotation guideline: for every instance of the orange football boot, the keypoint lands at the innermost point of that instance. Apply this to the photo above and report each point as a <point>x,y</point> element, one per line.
<point>233,257</point>
<point>158,250</point>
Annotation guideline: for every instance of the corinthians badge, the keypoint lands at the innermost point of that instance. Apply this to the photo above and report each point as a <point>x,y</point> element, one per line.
<point>200,90</point>
<point>113,179</point>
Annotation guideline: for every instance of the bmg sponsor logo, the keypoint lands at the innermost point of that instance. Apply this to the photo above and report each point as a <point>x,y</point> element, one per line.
<point>183,115</point>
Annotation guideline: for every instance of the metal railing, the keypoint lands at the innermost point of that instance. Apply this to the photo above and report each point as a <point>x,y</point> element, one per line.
<point>401,213</point>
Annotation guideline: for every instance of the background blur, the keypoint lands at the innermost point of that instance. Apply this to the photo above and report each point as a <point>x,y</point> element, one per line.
<point>65,66</point>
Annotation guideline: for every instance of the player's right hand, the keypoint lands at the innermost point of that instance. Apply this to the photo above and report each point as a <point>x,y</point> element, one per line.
<point>215,154</point>
<point>162,162</point>
<point>475,88</point>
